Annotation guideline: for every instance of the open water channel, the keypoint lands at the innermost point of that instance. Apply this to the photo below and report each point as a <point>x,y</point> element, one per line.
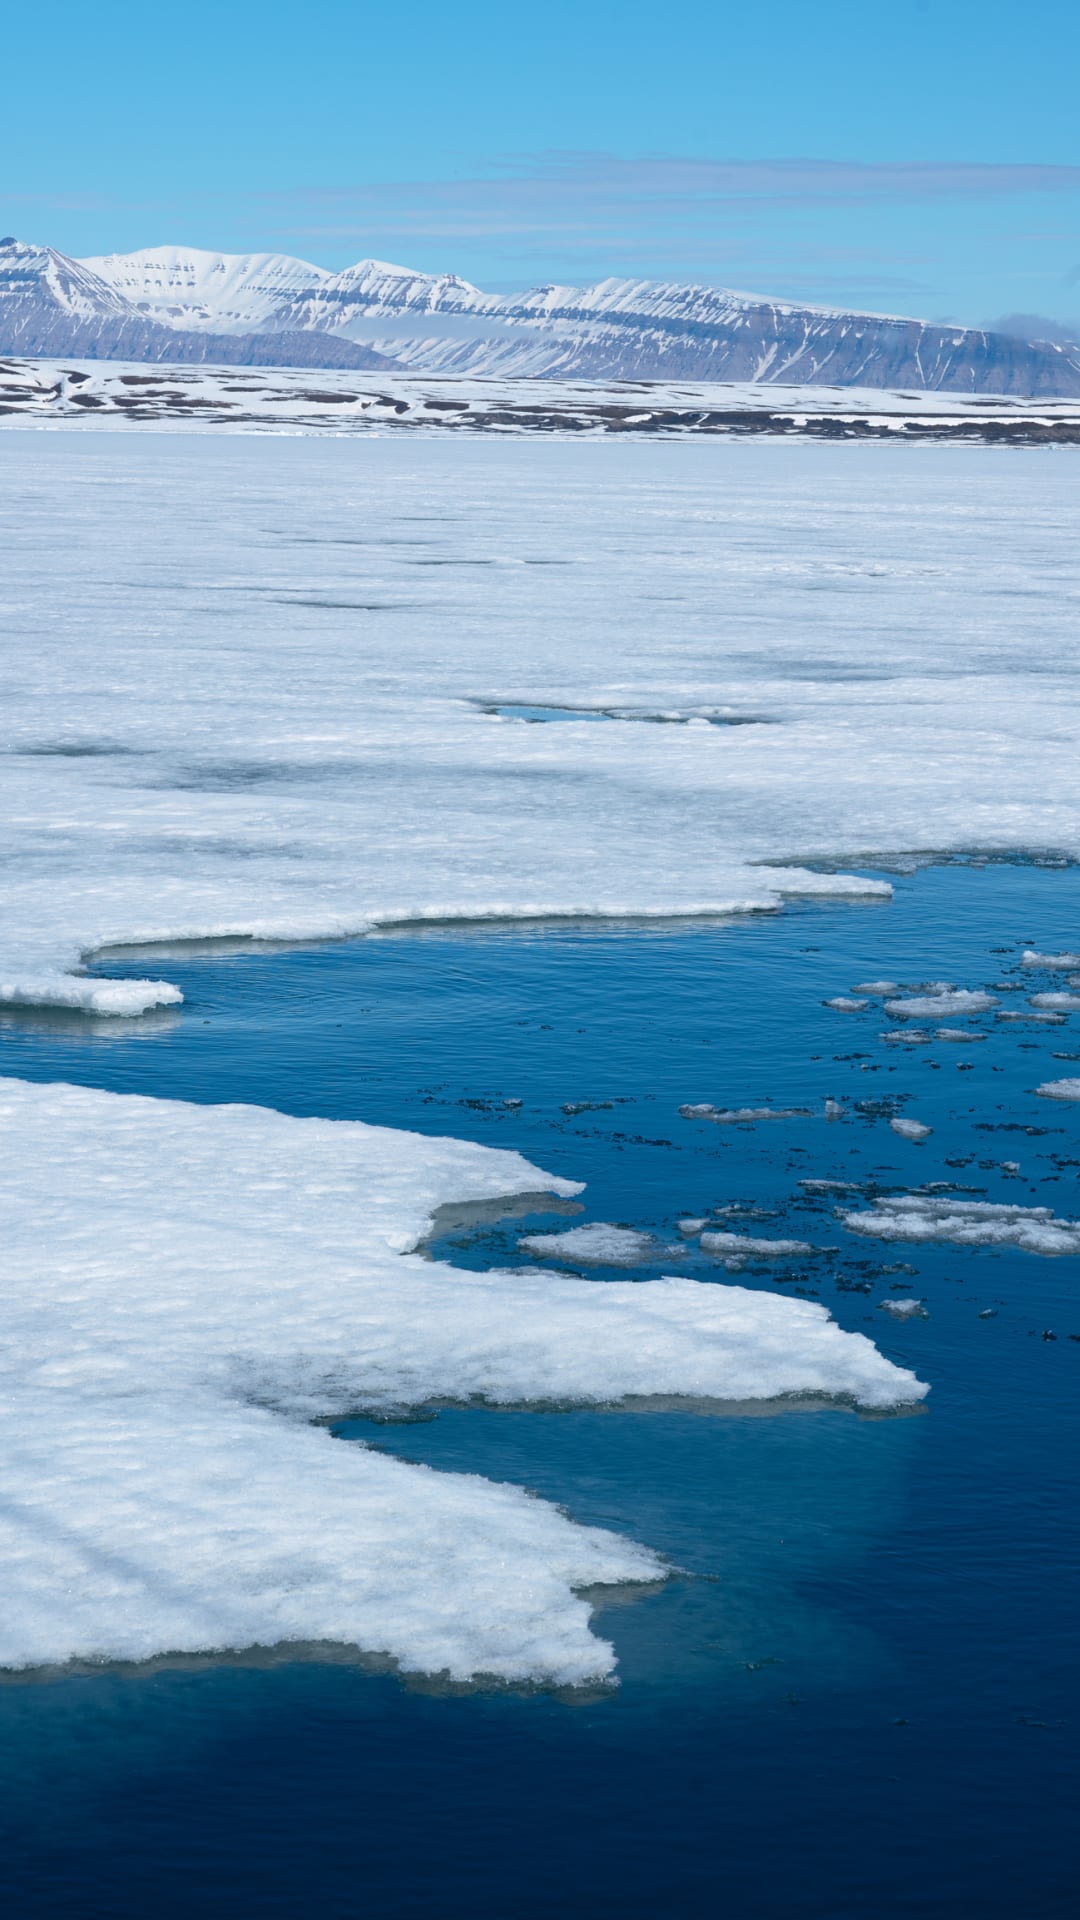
<point>859,1695</point>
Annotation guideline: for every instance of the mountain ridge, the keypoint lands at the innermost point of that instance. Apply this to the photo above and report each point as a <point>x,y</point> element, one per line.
<point>196,306</point>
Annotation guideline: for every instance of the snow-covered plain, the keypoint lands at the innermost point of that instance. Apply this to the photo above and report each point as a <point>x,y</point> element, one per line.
<point>248,689</point>
<point>96,395</point>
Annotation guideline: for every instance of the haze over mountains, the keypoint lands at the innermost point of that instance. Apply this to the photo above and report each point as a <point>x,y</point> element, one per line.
<point>183,305</point>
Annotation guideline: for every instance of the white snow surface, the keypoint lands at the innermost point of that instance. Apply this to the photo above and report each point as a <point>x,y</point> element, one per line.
<point>966,1223</point>
<point>911,1129</point>
<point>246,680</point>
<point>203,1282</point>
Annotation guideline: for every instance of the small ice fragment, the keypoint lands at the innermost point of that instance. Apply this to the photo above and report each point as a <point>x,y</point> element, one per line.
<point>988,1313</point>
<point>512,1103</point>
<point>875,986</point>
<point>834,1110</point>
<point>966,1223</point>
<point>830,1186</point>
<point>910,1129</point>
<point>1057,1002</point>
<point>1039,1014</point>
<point>1060,1089</point>
<point>904,1309</point>
<point>690,1227</point>
<point>726,1116</point>
<point>960,1034</point>
<point>845,1006</point>
<point>745,1247</point>
<point>601,1243</point>
<point>1050,962</point>
<point>942,999</point>
<point>1010,1166</point>
<point>907,1037</point>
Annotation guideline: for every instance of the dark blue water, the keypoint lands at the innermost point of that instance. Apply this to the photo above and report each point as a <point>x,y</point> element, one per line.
<point>861,1699</point>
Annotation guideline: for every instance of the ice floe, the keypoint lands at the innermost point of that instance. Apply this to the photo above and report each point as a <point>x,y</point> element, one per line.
<point>1042,1016</point>
<point>910,1129</point>
<point>963,1036</point>
<point>744,1246</point>
<point>1057,1002</point>
<point>846,1006</point>
<point>966,1223</point>
<point>940,999</point>
<point>875,988</point>
<point>600,1243</point>
<point>203,1282</point>
<point>1049,962</point>
<point>1060,1089</point>
<point>904,1309</point>
<point>731,1116</point>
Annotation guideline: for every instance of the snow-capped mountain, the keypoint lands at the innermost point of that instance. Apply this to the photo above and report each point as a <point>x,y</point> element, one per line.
<point>187,305</point>
<point>618,329</point>
<point>222,292</point>
<point>52,305</point>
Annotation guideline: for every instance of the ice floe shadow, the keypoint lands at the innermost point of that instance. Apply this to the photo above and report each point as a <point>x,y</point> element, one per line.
<point>70,1024</point>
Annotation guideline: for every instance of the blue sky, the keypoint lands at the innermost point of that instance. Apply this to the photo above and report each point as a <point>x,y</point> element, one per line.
<point>918,158</point>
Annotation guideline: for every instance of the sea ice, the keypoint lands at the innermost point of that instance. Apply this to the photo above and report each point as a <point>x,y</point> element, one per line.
<point>1050,962</point>
<point>1044,1016</point>
<point>944,1000</point>
<point>1060,1089</point>
<point>966,1223</point>
<point>962,1035</point>
<point>1057,1002</point>
<point>904,1309</point>
<point>606,1245</point>
<point>743,1246</point>
<point>846,1006</point>
<point>910,1129</point>
<point>876,988</point>
<point>728,1116</point>
<point>285,745</point>
<point>203,1282</point>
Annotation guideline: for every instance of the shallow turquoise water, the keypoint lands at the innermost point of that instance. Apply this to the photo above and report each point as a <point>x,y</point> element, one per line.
<point>860,1696</point>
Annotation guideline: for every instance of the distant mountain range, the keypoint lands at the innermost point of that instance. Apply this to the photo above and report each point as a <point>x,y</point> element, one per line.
<point>182,305</point>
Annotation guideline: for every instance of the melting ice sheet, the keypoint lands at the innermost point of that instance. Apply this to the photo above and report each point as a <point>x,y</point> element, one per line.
<point>206,1281</point>
<point>246,682</point>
